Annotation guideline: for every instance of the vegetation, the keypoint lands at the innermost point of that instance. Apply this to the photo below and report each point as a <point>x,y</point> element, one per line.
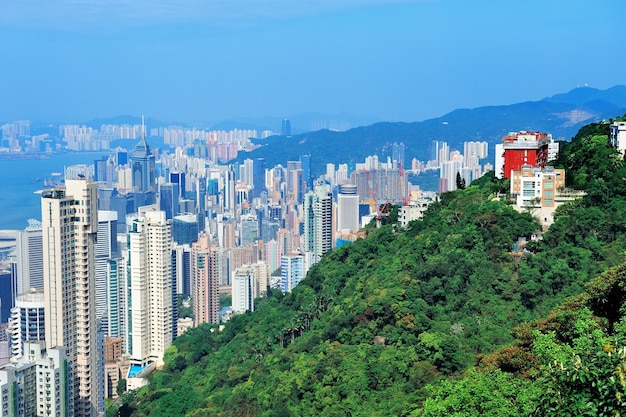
<point>418,321</point>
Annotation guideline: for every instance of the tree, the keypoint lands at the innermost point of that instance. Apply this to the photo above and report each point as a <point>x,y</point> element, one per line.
<point>121,387</point>
<point>460,181</point>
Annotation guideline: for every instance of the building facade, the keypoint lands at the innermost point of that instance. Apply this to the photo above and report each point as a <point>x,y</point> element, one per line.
<point>149,305</point>
<point>204,281</point>
<point>69,227</point>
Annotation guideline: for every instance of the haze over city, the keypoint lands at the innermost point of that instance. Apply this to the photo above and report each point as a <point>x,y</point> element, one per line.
<point>391,60</point>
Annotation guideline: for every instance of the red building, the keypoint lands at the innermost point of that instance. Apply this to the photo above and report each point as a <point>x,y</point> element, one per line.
<point>524,148</point>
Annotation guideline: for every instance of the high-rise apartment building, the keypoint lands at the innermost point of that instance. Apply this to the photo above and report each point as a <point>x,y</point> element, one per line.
<point>29,258</point>
<point>291,271</point>
<point>37,384</point>
<point>318,221</point>
<point>204,281</point>
<point>150,292</point>
<point>243,289</point>
<point>27,322</point>
<point>69,227</point>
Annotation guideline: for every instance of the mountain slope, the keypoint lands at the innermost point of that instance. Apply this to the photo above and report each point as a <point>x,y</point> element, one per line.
<point>562,115</point>
<point>375,322</point>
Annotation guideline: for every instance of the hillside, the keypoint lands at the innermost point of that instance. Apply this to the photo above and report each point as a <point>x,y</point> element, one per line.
<point>562,115</point>
<point>377,326</point>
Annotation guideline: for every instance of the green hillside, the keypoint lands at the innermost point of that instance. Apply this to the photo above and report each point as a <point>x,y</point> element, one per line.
<point>390,325</point>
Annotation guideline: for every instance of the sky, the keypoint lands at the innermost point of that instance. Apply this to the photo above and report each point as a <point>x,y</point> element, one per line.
<point>394,60</point>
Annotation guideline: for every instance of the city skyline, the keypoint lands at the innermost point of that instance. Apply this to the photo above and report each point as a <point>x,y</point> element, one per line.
<point>397,61</point>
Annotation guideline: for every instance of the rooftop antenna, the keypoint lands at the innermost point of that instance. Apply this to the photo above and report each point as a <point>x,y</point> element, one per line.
<point>143,129</point>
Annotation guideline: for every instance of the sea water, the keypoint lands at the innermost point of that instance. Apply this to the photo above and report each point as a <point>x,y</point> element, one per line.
<point>20,179</point>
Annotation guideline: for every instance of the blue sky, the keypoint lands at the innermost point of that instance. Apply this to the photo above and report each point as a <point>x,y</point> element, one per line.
<point>186,60</point>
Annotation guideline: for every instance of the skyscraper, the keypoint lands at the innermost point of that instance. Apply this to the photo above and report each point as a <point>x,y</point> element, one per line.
<point>318,221</point>
<point>29,258</point>
<point>106,248</point>
<point>27,321</point>
<point>185,229</point>
<point>69,227</point>
<point>243,289</point>
<point>348,208</point>
<point>142,164</point>
<point>150,293</point>
<point>291,271</point>
<point>204,281</point>
<point>285,129</point>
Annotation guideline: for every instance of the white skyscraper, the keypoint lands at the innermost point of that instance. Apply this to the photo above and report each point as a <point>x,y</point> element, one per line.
<point>27,321</point>
<point>318,221</point>
<point>243,289</point>
<point>348,208</point>
<point>150,293</point>
<point>29,258</point>
<point>69,225</point>
<point>291,271</point>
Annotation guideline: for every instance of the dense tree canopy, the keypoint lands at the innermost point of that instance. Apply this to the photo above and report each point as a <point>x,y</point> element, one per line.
<point>379,326</point>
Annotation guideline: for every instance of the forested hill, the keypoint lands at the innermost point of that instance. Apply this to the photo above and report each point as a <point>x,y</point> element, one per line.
<point>378,326</point>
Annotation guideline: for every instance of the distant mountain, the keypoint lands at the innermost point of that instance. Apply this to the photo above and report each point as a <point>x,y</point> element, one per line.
<point>562,115</point>
<point>300,123</point>
<point>126,120</point>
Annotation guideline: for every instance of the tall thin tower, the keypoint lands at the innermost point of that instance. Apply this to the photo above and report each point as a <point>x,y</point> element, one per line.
<point>204,281</point>
<point>69,226</point>
<point>150,278</point>
<point>318,221</point>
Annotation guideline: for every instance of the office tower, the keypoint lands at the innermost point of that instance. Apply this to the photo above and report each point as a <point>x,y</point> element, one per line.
<point>168,199</point>
<point>116,296</point>
<point>69,226</point>
<point>295,182</point>
<point>397,155</point>
<point>258,178</point>
<point>143,171</point>
<point>100,169</point>
<point>150,296</point>
<point>29,248</point>
<point>106,248</point>
<point>179,178</point>
<point>204,281</point>
<point>185,229</point>
<point>318,221</point>
<point>7,290</point>
<point>27,322</point>
<point>291,271</point>
<point>229,189</point>
<point>36,382</point>
<point>121,157</point>
<point>243,289</point>
<point>123,205</point>
<point>181,268</point>
<point>305,161</point>
<point>285,129</point>
<point>348,208</point>
<point>249,230</point>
